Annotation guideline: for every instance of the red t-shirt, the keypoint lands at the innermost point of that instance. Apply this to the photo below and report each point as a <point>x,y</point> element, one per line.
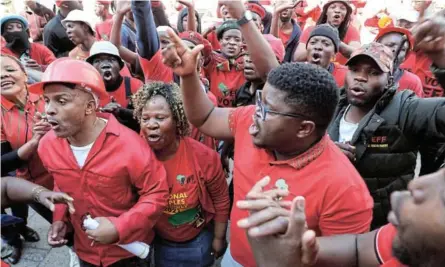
<point>120,95</point>
<point>103,30</point>
<point>155,70</point>
<point>339,74</point>
<point>383,246</point>
<point>224,83</point>
<point>411,82</point>
<point>284,37</point>
<point>410,62</point>
<point>352,35</point>
<point>337,199</point>
<point>38,52</point>
<point>183,189</point>
<point>431,87</point>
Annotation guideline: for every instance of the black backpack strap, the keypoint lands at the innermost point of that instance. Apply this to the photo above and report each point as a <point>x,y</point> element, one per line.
<point>127,82</point>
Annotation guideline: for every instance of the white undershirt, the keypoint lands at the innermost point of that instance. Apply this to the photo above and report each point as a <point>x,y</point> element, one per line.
<point>347,129</point>
<point>81,153</point>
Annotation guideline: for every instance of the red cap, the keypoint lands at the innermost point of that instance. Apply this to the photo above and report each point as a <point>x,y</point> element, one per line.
<point>277,46</point>
<point>403,31</point>
<point>256,8</point>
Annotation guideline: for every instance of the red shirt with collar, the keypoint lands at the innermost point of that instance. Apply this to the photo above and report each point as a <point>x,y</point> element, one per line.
<point>411,82</point>
<point>338,201</point>
<point>38,52</point>
<point>191,162</point>
<point>120,94</point>
<point>383,246</point>
<point>352,35</point>
<point>121,180</point>
<point>16,128</point>
<point>224,79</point>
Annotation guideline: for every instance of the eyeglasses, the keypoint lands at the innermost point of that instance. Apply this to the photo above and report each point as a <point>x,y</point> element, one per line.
<point>262,109</point>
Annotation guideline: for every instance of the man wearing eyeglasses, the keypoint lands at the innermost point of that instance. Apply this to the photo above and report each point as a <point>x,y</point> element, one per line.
<point>284,137</point>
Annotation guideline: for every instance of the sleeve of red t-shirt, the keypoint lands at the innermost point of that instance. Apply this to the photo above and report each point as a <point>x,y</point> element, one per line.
<point>352,35</point>
<point>215,182</point>
<point>383,242</point>
<point>47,55</point>
<point>155,70</point>
<point>239,115</point>
<point>305,35</point>
<point>352,207</point>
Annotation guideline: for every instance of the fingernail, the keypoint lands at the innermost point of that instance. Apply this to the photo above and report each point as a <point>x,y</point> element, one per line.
<point>241,203</point>
<point>243,223</point>
<point>300,202</point>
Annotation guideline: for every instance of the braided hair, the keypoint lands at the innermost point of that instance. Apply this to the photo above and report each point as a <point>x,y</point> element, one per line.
<point>172,95</point>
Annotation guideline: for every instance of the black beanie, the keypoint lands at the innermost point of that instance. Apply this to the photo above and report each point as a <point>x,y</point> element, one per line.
<point>328,31</point>
<point>227,25</point>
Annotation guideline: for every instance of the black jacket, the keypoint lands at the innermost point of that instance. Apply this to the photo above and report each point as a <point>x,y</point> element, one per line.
<point>387,141</point>
<point>55,37</point>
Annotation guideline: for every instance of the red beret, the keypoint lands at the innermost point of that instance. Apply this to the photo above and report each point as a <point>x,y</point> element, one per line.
<point>197,39</point>
<point>277,46</point>
<point>256,8</point>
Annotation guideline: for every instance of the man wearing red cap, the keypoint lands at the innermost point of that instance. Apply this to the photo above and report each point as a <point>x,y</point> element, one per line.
<point>394,38</point>
<point>126,202</point>
<point>103,28</point>
<point>54,34</point>
<point>285,27</point>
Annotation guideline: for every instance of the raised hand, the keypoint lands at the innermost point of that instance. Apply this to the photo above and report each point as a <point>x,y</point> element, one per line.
<point>41,127</point>
<point>123,6</point>
<point>187,3</point>
<point>235,7</point>
<point>179,57</point>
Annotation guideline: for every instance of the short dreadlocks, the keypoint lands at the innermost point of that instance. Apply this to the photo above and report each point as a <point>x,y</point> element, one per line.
<point>171,93</point>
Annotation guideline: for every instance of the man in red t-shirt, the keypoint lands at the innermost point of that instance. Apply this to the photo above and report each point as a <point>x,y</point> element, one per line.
<point>336,13</point>
<point>414,237</point>
<point>15,31</point>
<point>284,137</point>
<point>103,28</point>
<point>322,45</point>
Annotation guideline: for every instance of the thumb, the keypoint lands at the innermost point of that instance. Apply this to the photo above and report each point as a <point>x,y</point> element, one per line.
<point>310,248</point>
<point>297,219</point>
<point>37,116</point>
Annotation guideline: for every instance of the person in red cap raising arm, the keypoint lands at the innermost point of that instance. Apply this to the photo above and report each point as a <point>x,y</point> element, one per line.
<point>401,43</point>
<point>336,13</point>
<point>54,34</point>
<point>15,31</point>
<point>78,150</point>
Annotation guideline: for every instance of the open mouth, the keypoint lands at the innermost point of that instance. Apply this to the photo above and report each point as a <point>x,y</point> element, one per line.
<point>107,75</point>
<point>6,84</point>
<point>249,71</point>
<point>54,124</point>
<point>316,58</point>
<point>231,50</point>
<point>357,91</point>
<point>153,138</point>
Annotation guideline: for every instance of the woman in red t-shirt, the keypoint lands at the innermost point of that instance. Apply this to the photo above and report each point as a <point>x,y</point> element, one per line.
<point>336,13</point>
<point>191,231</point>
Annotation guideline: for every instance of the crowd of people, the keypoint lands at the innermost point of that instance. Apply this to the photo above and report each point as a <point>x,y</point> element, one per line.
<point>320,150</point>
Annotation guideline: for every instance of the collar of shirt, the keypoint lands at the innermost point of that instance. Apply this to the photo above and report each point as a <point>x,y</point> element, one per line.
<point>112,125</point>
<point>244,97</point>
<point>226,65</point>
<point>302,160</point>
<point>8,105</point>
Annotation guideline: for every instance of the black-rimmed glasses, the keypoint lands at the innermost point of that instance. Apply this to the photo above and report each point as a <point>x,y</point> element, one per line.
<point>262,109</point>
